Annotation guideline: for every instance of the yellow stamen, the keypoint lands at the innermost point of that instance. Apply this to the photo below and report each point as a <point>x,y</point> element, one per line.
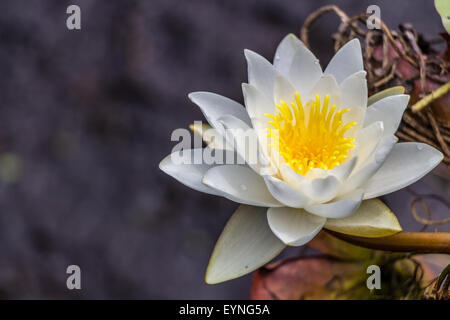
<point>310,142</point>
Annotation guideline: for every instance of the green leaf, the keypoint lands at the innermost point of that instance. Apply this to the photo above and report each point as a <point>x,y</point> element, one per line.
<point>385,93</point>
<point>373,219</point>
<point>340,249</point>
<point>443,8</point>
<point>246,243</point>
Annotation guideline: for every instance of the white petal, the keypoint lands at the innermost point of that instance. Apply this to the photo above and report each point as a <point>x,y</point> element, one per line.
<point>327,85</point>
<point>246,243</point>
<point>322,190</point>
<point>257,104</point>
<point>370,167</point>
<point>291,177</point>
<point>240,184</point>
<point>389,110</point>
<point>214,106</point>
<point>283,91</point>
<point>355,114</point>
<point>285,53</point>
<point>286,194</point>
<point>367,140</point>
<point>354,90</point>
<point>340,207</point>
<point>261,73</point>
<point>243,139</point>
<point>265,159</point>
<point>344,170</point>
<point>407,163</point>
<point>305,71</point>
<point>182,166</point>
<point>210,136</point>
<point>341,172</point>
<point>346,61</point>
<point>294,227</point>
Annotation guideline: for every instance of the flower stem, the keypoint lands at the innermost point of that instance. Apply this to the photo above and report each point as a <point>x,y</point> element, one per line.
<point>423,242</point>
<point>419,105</point>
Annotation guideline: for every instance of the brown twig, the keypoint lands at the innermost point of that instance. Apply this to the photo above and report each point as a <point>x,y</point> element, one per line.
<point>418,126</point>
<point>319,12</point>
<point>381,74</point>
<point>427,221</point>
<point>437,133</point>
<point>412,38</point>
<point>412,136</point>
<point>388,78</point>
<point>384,28</point>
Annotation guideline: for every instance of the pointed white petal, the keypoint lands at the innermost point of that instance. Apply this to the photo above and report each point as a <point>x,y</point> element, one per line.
<point>346,61</point>
<point>389,110</point>
<point>372,219</point>
<point>246,243</point>
<point>407,163</point>
<point>355,114</point>
<point>294,227</point>
<point>265,159</point>
<point>354,91</point>
<point>322,190</point>
<point>285,53</point>
<point>286,194</point>
<point>240,184</point>
<point>343,171</point>
<point>261,73</point>
<point>257,104</point>
<point>340,207</point>
<point>243,138</point>
<point>210,136</point>
<point>186,167</point>
<point>370,167</point>
<point>291,177</point>
<point>327,85</point>
<point>367,140</point>
<point>214,106</point>
<point>305,71</point>
<point>283,91</point>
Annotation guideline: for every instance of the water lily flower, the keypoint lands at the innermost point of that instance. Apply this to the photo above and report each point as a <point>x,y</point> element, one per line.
<point>330,149</point>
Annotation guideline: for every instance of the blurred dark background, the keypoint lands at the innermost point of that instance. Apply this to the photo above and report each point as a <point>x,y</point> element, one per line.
<point>86,116</point>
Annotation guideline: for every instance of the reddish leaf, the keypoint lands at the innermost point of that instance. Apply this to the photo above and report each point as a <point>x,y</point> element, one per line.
<point>323,278</point>
<point>306,278</point>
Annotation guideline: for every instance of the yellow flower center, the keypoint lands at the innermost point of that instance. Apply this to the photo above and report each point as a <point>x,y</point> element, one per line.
<point>311,136</point>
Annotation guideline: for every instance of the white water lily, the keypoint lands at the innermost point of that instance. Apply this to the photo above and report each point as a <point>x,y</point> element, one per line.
<point>329,151</point>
